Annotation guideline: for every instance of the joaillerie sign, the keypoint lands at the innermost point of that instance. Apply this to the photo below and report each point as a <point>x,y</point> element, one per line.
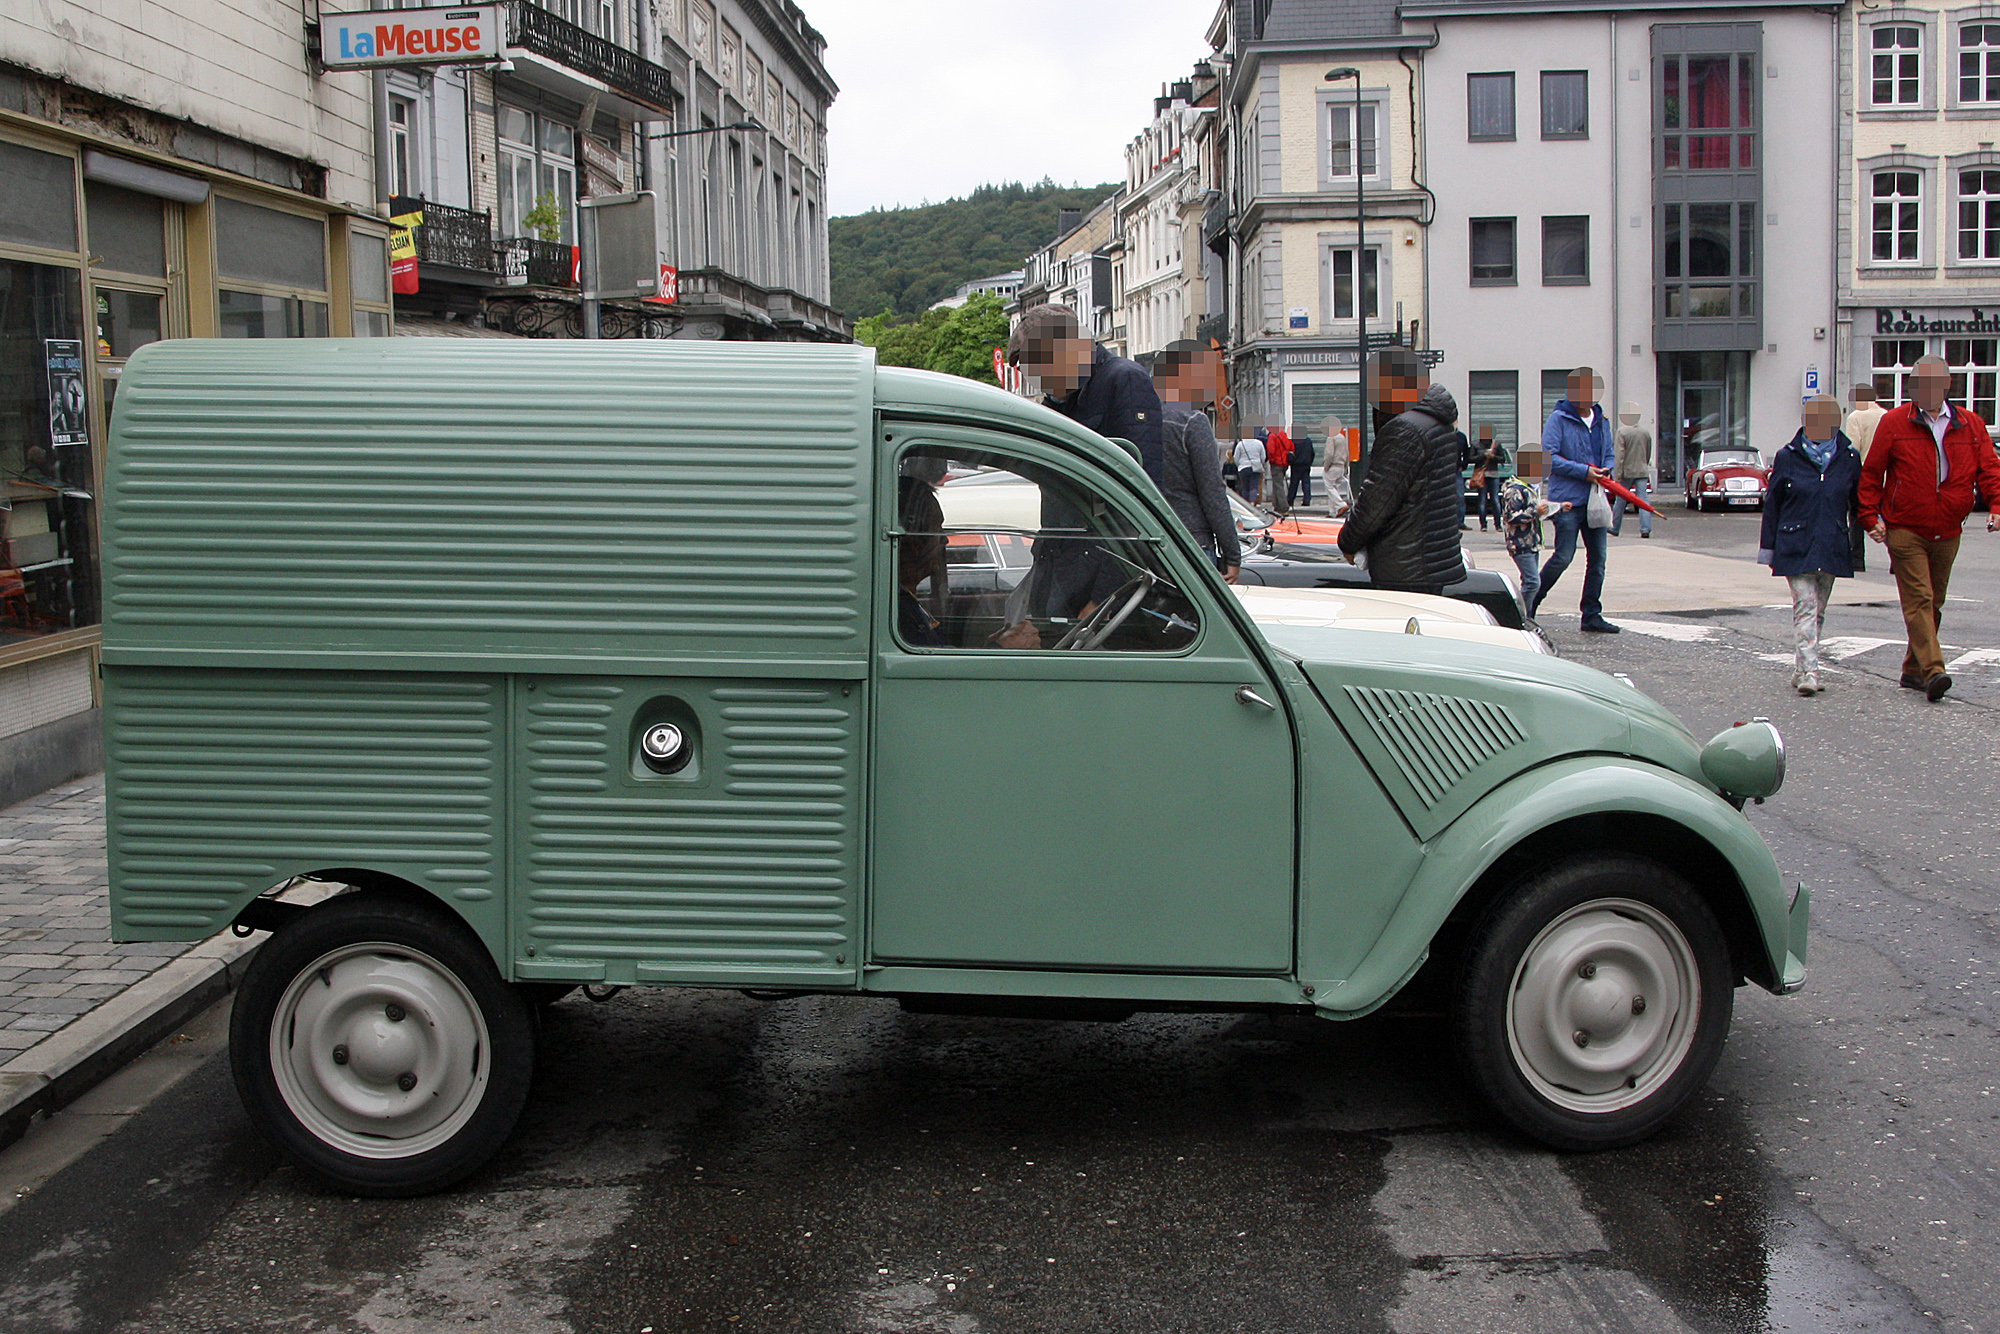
<point>411,37</point>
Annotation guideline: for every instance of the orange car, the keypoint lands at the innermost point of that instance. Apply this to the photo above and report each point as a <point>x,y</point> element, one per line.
<point>1291,529</point>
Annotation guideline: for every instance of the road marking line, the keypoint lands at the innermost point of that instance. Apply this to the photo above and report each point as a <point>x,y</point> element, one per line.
<point>1679,632</point>
<point>1842,647</point>
<point>1979,657</point>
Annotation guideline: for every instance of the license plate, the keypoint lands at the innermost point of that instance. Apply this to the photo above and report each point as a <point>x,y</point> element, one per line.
<point>1744,500</point>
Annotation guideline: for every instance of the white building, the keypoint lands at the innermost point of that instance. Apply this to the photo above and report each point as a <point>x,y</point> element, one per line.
<point>1919,216</point>
<point>1158,275</point>
<point>1646,191</point>
<point>166,170</point>
<point>1074,270</point>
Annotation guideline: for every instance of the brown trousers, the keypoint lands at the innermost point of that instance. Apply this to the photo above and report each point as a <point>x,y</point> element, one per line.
<point>1922,569</point>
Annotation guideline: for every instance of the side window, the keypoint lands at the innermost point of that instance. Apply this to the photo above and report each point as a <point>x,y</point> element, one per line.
<point>997,552</point>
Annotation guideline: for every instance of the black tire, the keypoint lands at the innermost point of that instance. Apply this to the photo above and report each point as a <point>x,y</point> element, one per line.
<point>367,965</point>
<point>541,995</point>
<point>1522,984</point>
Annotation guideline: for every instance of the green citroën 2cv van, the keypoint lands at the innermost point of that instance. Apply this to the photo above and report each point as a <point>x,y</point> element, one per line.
<point>657,662</point>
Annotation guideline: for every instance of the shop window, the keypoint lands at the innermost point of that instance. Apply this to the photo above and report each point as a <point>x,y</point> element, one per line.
<point>1896,67</point>
<point>368,280</point>
<point>1565,104</point>
<point>1975,374</point>
<point>1489,106</point>
<point>1979,215</point>
<point>38,205</point>
<point>266,245</point>
<point>126,321</point>
<point>1565,251</point>
<point>259,315</point>
<point>1895,365</point>
<point>1492,252</point>
<point>128,230</point>
<point>1895,224</point>
<point>48,577</point>
<point>996,552</point>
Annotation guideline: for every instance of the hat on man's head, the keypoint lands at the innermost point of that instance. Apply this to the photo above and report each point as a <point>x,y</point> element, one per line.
<point>1040,327</point>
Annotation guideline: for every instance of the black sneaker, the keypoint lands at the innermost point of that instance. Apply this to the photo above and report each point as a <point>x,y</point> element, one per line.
<point>1599,628</point>
<point>1935,685</point>
<point>1911,681</point>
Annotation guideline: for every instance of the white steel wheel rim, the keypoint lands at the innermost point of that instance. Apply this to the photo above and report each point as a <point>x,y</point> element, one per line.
<point>1604,1006</point>
<point>364,1081</point>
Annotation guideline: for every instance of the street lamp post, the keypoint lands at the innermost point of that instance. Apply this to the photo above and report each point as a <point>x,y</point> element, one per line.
<point>1360,468</point>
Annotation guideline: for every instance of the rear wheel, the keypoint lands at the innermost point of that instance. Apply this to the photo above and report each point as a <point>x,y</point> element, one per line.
<point>374,1040</point>
<point>1593,1001</point>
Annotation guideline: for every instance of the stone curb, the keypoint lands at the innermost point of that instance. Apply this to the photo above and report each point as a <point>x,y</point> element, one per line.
<point>70,1061</point>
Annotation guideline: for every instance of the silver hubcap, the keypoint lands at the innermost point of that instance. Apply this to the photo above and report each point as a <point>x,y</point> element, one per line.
<point>380,1051</point>
<point>1604,1005</point>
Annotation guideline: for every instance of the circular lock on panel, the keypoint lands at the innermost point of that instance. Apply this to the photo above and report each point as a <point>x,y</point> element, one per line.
<point>665,749</point>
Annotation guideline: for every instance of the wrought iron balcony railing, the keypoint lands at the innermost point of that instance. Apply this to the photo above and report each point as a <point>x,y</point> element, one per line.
<point>535,29</point>
<point>456,237</point>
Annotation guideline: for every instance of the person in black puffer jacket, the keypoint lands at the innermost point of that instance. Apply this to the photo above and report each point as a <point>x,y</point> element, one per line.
<point>1406,517</point>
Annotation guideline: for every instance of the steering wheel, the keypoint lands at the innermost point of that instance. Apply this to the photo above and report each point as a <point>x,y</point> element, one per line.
<point>1110,614</point>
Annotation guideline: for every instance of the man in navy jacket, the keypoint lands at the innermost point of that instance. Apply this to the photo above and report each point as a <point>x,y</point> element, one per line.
<point>1087,383</point>
<point>1577,443</point>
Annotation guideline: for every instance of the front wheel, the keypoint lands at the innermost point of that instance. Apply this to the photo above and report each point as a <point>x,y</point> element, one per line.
<point>1593,1001</point>
<point>376,1043</point>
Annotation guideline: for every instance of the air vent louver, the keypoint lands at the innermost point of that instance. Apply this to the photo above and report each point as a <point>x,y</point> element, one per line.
<point>1435,739</point>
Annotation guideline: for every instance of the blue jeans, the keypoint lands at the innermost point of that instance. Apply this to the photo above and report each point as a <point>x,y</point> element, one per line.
<point>1529,564</point>
<point>1596,543</point>
<point>1296,483</point>
<point>1489,502</point>
<point>1644,487</point>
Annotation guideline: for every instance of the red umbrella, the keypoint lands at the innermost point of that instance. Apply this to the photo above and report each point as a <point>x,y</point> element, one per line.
<point>1627,494</point>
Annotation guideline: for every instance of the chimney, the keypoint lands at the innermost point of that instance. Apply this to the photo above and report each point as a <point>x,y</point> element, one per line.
<point>1067,221</point>
<point>1183,92</point>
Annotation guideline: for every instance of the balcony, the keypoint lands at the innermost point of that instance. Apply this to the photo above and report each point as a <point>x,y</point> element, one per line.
<point>455,238</point>
<point>536,263</point>
<point>554,53</point>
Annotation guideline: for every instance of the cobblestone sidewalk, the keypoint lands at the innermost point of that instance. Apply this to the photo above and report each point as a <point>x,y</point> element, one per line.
<point>57,962</point>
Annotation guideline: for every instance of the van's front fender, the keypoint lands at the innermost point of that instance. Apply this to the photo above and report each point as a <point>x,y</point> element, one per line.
<point>1511,814</point>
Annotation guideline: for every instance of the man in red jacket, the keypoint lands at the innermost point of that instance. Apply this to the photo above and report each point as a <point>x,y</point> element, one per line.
<point>1916,489</point>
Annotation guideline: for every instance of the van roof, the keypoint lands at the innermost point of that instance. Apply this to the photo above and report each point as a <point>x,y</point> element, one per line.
<point>926,393</point>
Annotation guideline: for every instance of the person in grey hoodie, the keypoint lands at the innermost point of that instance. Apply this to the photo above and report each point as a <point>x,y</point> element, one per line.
<point>1406,516</point>
<point>1187,376</point>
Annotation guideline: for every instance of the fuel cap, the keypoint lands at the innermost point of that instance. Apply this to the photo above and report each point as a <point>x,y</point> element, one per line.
<point>664,748</point>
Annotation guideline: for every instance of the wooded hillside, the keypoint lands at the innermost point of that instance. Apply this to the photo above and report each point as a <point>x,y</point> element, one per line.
<point>900,260</point>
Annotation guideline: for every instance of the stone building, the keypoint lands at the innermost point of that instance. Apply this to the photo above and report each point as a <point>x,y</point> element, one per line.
<point>1918,224</point>
<point>717,106</point>
<point>1158,274</point>
<point>166,170</point>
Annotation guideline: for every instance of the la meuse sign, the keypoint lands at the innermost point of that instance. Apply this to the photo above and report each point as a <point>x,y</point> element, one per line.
<point>410,37</point>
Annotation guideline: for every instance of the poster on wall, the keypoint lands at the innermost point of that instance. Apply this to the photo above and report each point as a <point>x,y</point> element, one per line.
<point>403,252</point>
<point>67,423</point>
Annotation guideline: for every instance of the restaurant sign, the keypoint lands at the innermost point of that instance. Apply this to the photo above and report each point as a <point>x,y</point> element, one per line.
<point>1905,321</point>
<point>411,37</point>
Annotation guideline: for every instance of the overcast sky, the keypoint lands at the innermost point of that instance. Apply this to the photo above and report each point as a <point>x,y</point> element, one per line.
<point>939,96</point>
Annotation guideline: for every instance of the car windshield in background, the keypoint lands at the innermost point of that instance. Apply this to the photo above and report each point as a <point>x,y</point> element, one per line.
<point>1729,458</point>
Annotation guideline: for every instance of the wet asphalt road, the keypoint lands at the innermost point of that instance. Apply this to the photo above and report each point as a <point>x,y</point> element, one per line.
<point>697,1161</point>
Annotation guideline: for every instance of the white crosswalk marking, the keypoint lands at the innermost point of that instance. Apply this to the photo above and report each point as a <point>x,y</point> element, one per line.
<point>1979,657</point>
<point>1841,647</point>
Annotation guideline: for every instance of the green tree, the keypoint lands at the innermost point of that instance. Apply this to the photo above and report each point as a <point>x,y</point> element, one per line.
<point>955,342</point>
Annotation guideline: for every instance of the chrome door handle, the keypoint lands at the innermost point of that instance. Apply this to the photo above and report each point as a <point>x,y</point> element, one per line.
<point>1246,695</point>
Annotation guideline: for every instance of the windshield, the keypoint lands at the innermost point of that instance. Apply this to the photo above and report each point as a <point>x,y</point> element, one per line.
<point>1728,458</point>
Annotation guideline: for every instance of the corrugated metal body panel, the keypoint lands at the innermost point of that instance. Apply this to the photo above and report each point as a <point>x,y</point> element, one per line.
<point>648,500</point>
<point>745,865</point>
<point>225,782</point>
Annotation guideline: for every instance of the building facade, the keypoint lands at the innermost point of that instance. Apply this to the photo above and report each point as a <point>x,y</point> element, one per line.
<point>716,106</point>
<point>1644,191</point>
<point>1918,254</point>
<point>1309,262</point>
<point>1158,276</point>
<point>1074,270</point>
<point>166,170</point>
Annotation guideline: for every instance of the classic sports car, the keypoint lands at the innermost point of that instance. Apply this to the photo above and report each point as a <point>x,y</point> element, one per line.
<point>1728,478</point>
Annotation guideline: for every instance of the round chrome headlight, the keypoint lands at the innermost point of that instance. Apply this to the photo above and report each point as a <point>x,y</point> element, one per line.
<point>1746,761</point>
<point>1708,479</point>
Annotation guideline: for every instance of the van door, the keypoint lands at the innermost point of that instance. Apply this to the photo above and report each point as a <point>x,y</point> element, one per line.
<point>1078,762</point>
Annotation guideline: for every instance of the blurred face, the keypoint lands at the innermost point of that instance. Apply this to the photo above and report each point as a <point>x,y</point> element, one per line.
<point>1932,382</point>
<point>1059,363</point>
<point>1393,392</point>
<point>1629,418</point>
<point>1486,435</point>
<point>1585,387</point>
<point>1197,381</point>
<point>1820,419</point>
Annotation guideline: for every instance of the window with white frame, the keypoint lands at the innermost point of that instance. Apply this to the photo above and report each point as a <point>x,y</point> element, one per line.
<point>537,161</point>
<point>400,157</point>
<point>1340,282</point>
<point>1979,63</point>
<point>1341,145</point>
<point>1895,225</point>
<point>1979,214</point>
<point>1896,70</point>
